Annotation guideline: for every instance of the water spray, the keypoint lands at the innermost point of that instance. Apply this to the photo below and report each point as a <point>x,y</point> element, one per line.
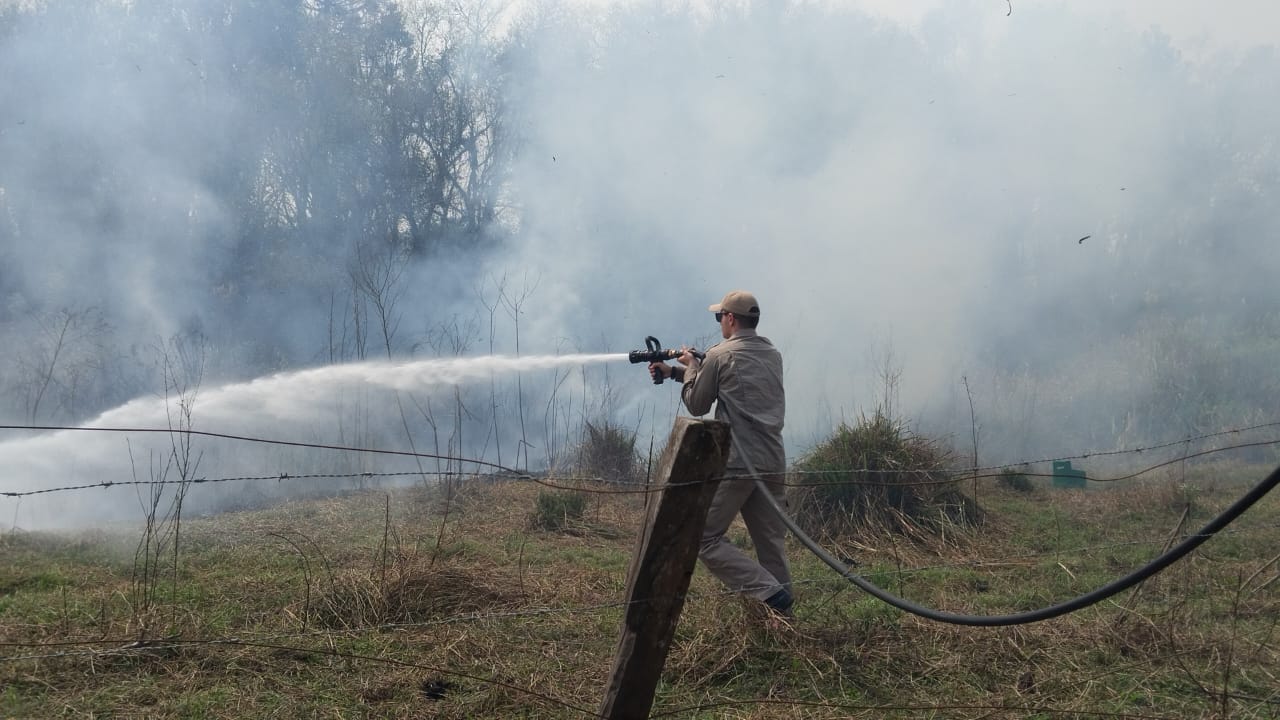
<point>307,404</point>
<point>654,353</point>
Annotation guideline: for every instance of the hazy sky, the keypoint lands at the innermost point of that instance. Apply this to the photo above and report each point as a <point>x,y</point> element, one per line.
<point>1195,27</point>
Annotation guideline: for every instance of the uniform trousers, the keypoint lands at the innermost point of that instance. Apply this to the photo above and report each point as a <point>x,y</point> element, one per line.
<point>761,578</point>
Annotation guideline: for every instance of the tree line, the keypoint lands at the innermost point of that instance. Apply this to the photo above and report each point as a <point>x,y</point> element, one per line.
<point>284,154</point>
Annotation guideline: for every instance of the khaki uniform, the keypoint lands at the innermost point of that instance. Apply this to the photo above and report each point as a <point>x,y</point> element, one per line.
<point>743,377</point>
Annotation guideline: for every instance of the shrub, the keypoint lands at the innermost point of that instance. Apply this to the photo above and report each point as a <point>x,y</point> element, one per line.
<point>608,452</point>
<point>1015,479</point>
<point>876,475</point>
<point>559,510</point>
<point>409,590</point>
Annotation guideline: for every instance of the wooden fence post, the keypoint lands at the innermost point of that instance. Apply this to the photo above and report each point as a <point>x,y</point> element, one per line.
<point>688,475</point>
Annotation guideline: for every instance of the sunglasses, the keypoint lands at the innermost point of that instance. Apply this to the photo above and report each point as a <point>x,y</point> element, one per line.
<point>720,316</point>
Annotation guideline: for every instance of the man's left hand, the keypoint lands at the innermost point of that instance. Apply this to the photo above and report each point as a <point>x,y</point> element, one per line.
<point>688,359</point>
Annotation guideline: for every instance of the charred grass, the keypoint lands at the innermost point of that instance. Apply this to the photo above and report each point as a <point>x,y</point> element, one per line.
<point>452,603</point>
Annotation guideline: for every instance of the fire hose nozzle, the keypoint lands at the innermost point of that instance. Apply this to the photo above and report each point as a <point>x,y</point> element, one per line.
<point>654,353</point>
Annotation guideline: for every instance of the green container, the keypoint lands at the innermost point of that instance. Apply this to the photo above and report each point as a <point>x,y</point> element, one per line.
<point>1066,477</point>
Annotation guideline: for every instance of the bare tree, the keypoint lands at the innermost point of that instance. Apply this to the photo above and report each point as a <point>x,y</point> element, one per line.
<point>182,362</point>
<point>67,349</point>
<point>889,372</point>
<point>550,440</point>
<point>500,286</point>
<point>376,271</point>
<point>514,303</point>
<point>455,338</point>
<point>183,376</point>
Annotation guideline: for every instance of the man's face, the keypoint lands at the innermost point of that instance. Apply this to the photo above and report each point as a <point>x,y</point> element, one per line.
<point>726,324</point>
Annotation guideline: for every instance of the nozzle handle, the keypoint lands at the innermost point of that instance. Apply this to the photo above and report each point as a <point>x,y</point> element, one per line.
<point>655,349</point>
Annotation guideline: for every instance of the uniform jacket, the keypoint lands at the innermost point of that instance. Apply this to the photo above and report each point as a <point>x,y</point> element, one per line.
<point>742,376</point>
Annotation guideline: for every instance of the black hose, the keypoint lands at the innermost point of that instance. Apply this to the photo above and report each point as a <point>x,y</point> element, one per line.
<point>1160,563</point>
<point>1151,568</point>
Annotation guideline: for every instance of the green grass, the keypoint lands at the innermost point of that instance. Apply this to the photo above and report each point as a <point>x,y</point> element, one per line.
<point>487,616</point>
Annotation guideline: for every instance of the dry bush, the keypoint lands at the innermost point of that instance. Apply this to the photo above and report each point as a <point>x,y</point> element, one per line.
<point>412,590</point>
<point>1015,479</point>
<point>608,452</point>
<point>559,510</point>
<point>877,476</point>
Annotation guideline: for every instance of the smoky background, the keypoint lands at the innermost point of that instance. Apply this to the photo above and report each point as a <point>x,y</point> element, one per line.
<point>1058,219</point>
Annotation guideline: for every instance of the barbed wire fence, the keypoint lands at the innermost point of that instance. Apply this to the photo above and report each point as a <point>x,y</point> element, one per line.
<point>38,651</point>
<point>614,486</point>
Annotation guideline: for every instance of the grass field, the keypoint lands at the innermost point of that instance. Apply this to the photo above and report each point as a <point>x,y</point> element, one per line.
<point>411,604</point>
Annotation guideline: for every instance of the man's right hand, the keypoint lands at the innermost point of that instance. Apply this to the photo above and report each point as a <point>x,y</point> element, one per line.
<point>657,370</point>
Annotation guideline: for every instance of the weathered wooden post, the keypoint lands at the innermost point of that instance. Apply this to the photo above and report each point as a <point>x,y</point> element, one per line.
<point>688,475</point>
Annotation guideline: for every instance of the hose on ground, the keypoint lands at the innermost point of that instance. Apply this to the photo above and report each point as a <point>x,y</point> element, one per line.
<point>1156,565</point>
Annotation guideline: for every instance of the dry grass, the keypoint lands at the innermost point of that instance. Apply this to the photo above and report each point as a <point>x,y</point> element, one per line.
<point>450,605</point>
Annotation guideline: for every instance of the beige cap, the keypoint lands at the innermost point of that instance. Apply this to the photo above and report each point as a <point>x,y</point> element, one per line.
<point>738,302</point>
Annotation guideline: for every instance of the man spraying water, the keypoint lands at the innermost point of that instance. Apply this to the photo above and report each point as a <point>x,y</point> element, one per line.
<point>742,376</point>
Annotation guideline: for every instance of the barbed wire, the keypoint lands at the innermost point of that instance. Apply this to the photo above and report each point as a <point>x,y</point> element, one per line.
<point>607,486</point>
<point>207,480</point>
<point>956,475</point>
<point>259,440</point>
<point>575,483</point>
<point>1126,451</point>
<point>499,468</point>
<point>1055,554</point>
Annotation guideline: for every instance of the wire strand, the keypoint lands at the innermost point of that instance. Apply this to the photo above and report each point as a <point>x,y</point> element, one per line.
<point>627,487</point>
